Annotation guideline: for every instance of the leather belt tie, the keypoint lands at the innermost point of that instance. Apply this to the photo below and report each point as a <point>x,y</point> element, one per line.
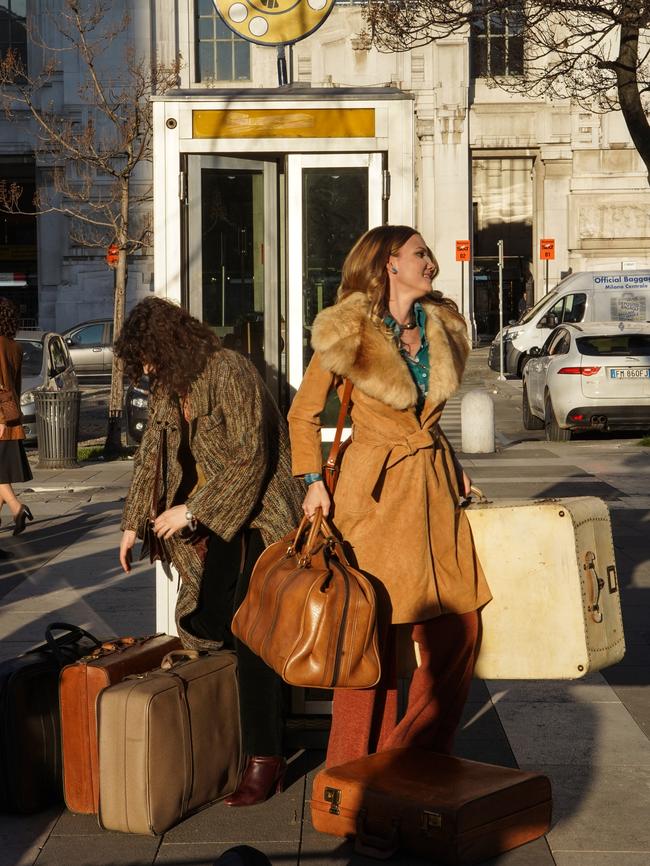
<point>393,451</point>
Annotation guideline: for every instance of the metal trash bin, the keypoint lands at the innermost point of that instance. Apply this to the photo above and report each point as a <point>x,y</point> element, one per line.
<point>57,428</point>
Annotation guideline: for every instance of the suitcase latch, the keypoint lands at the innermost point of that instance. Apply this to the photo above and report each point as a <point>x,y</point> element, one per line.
<point>333,797</point>
<point>431,821</point>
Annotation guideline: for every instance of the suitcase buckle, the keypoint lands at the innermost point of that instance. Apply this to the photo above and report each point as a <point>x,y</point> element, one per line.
<point>431,821</point>
<point>333,796</point>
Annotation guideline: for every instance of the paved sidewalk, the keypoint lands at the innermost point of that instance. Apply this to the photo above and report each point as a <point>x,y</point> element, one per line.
<point>590,736</point>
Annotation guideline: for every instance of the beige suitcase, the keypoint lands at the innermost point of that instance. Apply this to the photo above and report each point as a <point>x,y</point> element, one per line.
<point>556,611</point>
<point>169,742</point>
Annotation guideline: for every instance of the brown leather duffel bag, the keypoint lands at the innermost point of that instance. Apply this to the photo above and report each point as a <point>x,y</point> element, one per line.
<point>309,614</point>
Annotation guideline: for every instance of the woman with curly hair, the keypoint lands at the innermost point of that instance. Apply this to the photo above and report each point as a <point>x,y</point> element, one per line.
<point>403,346</point>
<point>14,466</point>
<point>227,492</point>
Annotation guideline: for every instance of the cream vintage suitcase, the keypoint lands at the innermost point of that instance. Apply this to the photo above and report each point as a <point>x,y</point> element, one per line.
<point>169,742</point>
<point>556,611</point>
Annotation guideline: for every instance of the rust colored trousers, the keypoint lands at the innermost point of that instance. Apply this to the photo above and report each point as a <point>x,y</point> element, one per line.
<point>366,720</point>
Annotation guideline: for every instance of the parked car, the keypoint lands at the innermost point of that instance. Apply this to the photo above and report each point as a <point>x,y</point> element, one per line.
<point>46,365</point>
<point>91,346</point>
<point>586,296</point>
<point>589,377</point>
<point>136,403</point>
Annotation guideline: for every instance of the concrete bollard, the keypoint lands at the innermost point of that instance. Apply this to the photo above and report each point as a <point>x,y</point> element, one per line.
<point>477,423</point>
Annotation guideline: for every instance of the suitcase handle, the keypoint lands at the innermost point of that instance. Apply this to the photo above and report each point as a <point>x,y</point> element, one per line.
<point>379,847</point>
<point>75,635</point>
<point>176,656</point>
<point>111,646</point>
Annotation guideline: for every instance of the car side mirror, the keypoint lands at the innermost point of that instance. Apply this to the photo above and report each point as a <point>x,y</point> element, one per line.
<point>534,351</point>
<point>69,341</point>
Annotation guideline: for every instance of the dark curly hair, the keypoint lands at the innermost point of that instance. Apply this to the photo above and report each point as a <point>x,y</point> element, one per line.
<point>8,318</point>
<point>163,336</point>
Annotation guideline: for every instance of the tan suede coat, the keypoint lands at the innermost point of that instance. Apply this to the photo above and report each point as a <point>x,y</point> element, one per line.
<point>11,360</point>
<point>240,441</point>
<point>397,500</point>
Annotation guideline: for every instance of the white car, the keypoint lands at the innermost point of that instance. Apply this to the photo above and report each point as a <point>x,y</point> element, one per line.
<point>589,377</point>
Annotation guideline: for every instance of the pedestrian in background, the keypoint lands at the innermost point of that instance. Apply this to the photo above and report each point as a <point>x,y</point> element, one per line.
<point>14,466</point>
<point>398,500</point>
<point>227,492</point>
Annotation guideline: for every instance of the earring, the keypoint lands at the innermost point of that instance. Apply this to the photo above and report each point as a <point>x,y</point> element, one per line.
<point>393,269</point>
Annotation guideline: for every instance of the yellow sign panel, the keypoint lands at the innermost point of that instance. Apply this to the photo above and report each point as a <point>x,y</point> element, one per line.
<point>273,22</point>
<point>284,123</point>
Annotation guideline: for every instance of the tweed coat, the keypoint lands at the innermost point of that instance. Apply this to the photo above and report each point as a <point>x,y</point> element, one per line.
<point>397,502</point>
<point>11,359</point>
<point>240,441</point>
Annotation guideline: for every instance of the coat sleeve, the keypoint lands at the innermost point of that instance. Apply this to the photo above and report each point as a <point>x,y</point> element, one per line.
<point>138,500</point>
<point>304,418</point>
<point>234,487</point>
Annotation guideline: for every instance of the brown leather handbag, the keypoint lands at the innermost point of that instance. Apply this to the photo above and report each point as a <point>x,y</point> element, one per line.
<point>309,614</point>
<point>9,410</point>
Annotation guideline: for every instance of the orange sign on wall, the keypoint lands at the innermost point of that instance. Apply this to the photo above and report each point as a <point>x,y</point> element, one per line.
<point>462,251</point>
<point>547,248</point>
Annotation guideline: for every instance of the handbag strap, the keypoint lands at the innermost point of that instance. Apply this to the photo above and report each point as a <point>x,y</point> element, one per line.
<point>335,451</point>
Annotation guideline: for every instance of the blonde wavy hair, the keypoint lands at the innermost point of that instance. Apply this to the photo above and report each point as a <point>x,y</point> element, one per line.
<point>364,268</point>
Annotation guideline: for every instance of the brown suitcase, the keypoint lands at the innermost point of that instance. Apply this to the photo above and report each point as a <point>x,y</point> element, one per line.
<point>79,686</point>
<point>434,806</point>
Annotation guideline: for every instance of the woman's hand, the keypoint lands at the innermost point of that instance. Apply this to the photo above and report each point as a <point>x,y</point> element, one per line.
<point>126,545</point>
<point>170,522</point>
<point>3,427</point>
<point>317,497</point>
<point>467,485</point>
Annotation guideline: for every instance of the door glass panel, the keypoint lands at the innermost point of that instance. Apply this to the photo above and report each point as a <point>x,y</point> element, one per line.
<point>232,242</point>
<point>335,215</point>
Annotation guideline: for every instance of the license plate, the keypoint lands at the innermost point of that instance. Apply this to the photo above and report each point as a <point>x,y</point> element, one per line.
<point>629,372</point>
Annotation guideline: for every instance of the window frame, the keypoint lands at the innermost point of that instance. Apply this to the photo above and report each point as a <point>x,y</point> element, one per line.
<point>483,31</point>
<point>22,46</point>
<point>195,54</point>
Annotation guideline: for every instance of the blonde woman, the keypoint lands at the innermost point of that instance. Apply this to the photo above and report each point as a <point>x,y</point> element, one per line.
<point>398,500</point>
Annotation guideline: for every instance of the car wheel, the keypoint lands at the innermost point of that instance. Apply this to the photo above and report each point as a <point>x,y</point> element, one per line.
<point>554,433</point>
<point>530,421</point>
<point>520,368</point>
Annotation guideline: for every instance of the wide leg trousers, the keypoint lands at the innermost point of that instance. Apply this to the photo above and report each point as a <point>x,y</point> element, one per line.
<point>226,574</point>
<point>366,720</point>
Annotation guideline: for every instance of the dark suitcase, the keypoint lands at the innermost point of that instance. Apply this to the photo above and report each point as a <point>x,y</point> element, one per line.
<point>435,806</point>
<point>80,685</point>
<point>30,745</point>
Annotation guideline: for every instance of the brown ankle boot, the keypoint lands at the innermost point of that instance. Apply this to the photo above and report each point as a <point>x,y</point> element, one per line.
<point>262,777</point>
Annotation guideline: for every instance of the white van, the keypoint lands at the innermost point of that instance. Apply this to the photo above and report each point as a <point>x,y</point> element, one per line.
<point>586,296</point>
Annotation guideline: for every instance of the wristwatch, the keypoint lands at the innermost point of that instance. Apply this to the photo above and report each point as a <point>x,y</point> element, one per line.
<point>191,520</point>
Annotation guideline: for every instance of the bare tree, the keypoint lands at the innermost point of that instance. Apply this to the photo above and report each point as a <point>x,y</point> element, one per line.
<point>96,155</point>
<point>595,53</point>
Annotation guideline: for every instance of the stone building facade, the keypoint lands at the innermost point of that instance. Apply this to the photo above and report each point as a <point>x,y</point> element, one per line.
<point>486,165</point>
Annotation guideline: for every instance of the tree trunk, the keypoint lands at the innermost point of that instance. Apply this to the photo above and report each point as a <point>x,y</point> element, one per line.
<point>113,444</point>
<point>629,96</point>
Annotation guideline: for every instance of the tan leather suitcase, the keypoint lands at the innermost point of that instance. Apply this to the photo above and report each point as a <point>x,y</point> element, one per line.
<point>79,686</point>
<point>169,742</point>
<point>446,809</point>
<point>556,609</point>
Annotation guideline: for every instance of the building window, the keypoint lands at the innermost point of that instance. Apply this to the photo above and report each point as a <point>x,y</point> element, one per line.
<point>220,54</point>
<point>497,42</point>
<point>13,34</point>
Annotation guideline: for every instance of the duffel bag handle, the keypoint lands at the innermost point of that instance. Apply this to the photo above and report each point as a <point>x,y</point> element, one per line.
<point>379,847</point>
<point>176,656</point>
<point>74,636</point>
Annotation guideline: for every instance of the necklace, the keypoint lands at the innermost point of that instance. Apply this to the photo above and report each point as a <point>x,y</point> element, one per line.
<point>409,325</point>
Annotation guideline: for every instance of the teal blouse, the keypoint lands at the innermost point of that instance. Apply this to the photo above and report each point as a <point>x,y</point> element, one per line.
<point>418,366</point>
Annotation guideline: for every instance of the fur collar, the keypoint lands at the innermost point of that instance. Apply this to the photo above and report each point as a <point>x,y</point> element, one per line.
<point>352,345</point>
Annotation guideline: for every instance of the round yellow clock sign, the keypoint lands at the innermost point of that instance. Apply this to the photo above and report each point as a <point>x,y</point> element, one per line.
<point>274,22</point>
